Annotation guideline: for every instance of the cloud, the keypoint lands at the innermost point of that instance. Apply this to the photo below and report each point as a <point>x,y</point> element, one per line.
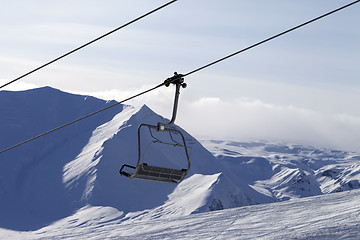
<point>254,119</point>
<point>245,119</point>
<point>250,119</point>
<point>18,86</point>
<point>242,119</point>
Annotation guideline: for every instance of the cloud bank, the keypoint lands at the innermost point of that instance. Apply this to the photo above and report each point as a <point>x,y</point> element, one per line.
<point>247,119</point>
<point>243,119</point>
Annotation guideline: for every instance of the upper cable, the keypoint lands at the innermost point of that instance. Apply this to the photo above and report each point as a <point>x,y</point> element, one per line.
<point>270,38</point>
<point>177,78</point>
<point>88,43</point>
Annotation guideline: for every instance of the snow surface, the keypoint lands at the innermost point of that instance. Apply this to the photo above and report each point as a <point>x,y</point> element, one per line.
<point>333,216</point>
<point>67,184</point>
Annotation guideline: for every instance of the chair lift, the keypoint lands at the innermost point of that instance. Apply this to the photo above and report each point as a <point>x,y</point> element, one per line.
<point>147,172</point>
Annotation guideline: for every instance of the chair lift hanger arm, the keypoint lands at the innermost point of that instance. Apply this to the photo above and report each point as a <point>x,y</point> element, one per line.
<point>178,80</point>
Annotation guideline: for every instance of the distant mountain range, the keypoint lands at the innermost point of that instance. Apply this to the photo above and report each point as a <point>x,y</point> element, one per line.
<point>78,166</point>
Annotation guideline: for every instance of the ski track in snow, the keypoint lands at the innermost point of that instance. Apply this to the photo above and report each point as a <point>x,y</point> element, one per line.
<point>332,216</point>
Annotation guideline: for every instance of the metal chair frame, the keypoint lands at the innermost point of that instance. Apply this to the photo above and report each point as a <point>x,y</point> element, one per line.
<point>147,172</point>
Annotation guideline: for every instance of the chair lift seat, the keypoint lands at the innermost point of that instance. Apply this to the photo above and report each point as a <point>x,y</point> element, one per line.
<point>161,174</point>
<point>158,174</point>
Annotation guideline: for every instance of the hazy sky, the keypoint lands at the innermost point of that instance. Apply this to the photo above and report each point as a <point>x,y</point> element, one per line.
<point>302,88</point>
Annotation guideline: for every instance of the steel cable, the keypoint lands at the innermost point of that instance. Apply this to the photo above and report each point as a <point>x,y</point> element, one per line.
<point>181,75</point>
<point>79,119</point>
<point>270,38</point>
<point>88,43</point>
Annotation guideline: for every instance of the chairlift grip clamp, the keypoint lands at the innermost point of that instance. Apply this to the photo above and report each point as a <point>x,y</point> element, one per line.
<point>178,80</point>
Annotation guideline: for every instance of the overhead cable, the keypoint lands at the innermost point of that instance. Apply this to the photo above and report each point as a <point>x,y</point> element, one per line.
<point>88,43</point>
<point>82,118</point>
<point>170,80</point>
<point>270,38</point>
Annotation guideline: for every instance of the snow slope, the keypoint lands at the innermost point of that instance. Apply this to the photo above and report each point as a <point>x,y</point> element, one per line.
<point>50,178</point>
<point>32,192</point>
<point>71,177</point>
<point>332,216</point>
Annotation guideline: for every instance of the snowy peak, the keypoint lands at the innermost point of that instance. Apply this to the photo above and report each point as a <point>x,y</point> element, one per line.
<point>122,148</point>
<point>203,193</point>
<point>79,165</point>
<point>287,171</point>
<point>338,178</point>
<point>31,175</point>
<point>225,193</point>
<point>54,176</point>
<point>83,169</point>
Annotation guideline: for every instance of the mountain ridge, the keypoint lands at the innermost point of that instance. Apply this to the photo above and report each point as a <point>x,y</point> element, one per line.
<point>53,177</point>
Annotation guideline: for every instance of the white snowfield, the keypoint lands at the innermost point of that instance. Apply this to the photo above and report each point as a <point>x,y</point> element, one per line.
<point>67,184</point>
<point>332,216</point>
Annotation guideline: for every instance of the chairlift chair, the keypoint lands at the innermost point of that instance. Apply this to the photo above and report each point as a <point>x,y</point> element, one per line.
<point>142,170</point>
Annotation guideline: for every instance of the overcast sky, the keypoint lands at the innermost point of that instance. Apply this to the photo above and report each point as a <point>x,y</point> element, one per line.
<point>301,88</point>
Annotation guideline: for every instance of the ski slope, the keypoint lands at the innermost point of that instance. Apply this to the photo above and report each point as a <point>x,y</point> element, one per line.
<point>332,216</point>
<point>67,184</point>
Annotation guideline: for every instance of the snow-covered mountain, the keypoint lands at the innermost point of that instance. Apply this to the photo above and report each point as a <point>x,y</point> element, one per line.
<point>77,167</point>
<point>53,176</point>
<point>288,170</point>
